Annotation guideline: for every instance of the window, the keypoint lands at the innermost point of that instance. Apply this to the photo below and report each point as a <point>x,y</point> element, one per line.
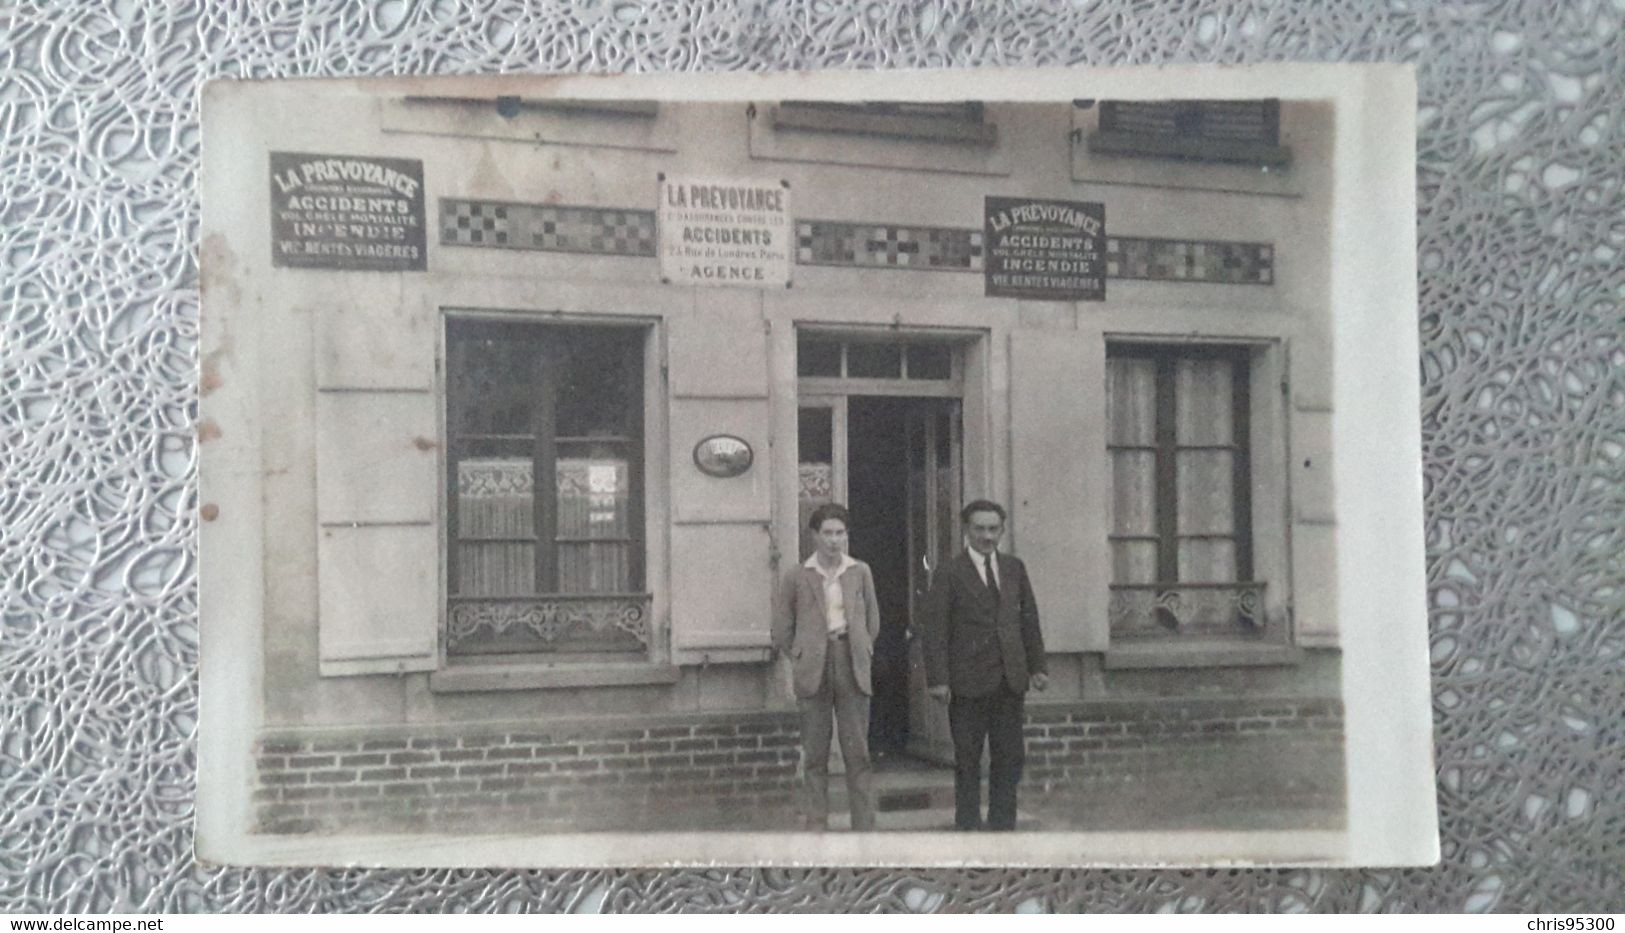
<point>545,489</point>
<point>1239,131</point>
<point>918,361</point>
<point>1181,531</point>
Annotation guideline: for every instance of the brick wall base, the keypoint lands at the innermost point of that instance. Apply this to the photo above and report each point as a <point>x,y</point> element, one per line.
<point>1187,764</point>
<point>1148,763</point>
<point>707,775</point>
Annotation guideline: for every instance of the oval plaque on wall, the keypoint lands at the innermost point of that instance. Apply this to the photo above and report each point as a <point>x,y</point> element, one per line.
<point>723,455</point>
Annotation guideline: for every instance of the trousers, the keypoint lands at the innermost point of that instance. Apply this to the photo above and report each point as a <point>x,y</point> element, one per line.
<point>995,720</point>
<point>840,699</point>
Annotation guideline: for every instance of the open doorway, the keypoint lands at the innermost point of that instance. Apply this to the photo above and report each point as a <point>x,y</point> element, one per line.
<point>902,482</point>
<point>880,431</point>
<point>877,484</point>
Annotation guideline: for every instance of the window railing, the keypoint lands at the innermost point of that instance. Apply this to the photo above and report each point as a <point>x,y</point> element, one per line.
<point>612,623</point>
<point>1161,610</point>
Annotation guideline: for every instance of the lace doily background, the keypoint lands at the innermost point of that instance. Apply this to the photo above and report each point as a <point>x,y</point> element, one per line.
<point>1521,228</point>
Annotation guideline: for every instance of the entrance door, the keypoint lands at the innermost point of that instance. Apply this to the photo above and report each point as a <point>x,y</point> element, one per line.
<point>934,487</point>
<point>900,474</point>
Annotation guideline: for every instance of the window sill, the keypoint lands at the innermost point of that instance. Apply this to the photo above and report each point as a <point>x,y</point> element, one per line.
<point>476,678</point>
<point>1205,653</point>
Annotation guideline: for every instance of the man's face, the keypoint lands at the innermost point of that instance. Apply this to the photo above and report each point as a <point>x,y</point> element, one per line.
<point>986,528</point>
<point>831,536</point>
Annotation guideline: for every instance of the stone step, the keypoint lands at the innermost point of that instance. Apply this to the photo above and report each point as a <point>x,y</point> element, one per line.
<point>934,819</point>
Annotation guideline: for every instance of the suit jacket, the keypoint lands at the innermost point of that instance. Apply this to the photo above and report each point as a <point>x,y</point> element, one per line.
<point>801,631</point>
<point>971,642</point>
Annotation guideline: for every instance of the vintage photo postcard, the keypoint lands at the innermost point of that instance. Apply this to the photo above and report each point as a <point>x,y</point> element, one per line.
<point>907,468</point>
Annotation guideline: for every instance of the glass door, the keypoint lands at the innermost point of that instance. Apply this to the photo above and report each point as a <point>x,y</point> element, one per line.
<point>821,470</point>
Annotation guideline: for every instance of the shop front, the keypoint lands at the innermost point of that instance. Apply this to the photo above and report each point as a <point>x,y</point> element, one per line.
<point>561,382</point>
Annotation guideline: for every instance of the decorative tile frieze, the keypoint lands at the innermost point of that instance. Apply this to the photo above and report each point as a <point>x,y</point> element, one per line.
<point>549,227</point>
<point>1213,262</point>
<point>888,246</point>
<point>631,232</point>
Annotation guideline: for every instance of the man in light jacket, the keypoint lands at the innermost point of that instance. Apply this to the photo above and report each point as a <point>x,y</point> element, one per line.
<point>826,622</point>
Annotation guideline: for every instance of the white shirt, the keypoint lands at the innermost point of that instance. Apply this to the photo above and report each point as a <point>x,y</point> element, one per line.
<point>982,562</point>
<point>834,601</point>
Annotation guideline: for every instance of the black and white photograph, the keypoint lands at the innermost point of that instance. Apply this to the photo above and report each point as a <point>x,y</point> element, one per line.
<point>923,468</point>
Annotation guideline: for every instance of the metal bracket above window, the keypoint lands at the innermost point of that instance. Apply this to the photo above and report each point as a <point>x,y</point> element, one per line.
<point>954,123</point>
<point>510,107</point>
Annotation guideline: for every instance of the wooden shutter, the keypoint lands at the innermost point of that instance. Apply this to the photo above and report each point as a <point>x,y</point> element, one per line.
<point>721,575</point>
<point>377,470</point>
<point>1060,481</point>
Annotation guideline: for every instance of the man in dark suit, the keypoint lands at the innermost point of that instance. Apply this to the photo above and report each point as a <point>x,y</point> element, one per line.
<point>983,651</point>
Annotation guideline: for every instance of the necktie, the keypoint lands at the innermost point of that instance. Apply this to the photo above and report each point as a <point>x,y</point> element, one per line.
<point>992,581</point>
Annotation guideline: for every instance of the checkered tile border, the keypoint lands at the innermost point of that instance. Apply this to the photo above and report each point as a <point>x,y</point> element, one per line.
<point>556,228</point>
<point>888,246</point>
<point>1211,262</point>
<point>631,232</point>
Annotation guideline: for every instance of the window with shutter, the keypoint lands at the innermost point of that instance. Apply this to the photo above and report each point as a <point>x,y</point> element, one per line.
<point>1236,131</point>
<point>544,544</point>
<point>1181,529</point>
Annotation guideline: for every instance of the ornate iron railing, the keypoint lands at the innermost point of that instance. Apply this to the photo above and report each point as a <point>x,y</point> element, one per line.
<point>612,622</point>
<point>1162,609</point>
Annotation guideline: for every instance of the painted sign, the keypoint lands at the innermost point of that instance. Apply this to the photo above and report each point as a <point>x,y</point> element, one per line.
<point>1045,250</point>
<point>724,232</point>
<point>346,212</point>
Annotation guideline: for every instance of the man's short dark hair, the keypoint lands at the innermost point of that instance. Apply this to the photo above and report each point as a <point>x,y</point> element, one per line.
<point>826,512</point>
<point>981,505</point>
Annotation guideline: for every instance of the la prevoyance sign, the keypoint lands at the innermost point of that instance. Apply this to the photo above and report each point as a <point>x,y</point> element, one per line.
<point>1044,249</point>
<point>724,232</point>
<point>347,212</point>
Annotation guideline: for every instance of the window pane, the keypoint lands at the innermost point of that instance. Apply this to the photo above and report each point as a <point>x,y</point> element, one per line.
<point>930,361</point>
<point>874,360</point>
<point>1134,562</point>
<point>495,499</point>
<point>1205,491</point>
<point>1207,560</point>
<point>948,500</point>
<point>495,506</point>
<point>594,567</point>
<point>490,392</point>
<point>1131,401</point>
<point>593,498</point>
<point>598,382</point>
<point>818,358</point>
<point>816,473</point>
<point>1204,412</point>
<point>919,507</point>
<point>1134,492</point>
<point>816,435</point>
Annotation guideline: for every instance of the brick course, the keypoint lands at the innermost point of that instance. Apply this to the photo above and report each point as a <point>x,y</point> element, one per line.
<point>741,775</point>
<point>725,775</point>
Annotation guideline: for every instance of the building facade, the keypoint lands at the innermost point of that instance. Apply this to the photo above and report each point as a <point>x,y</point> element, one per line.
<point>531,477</point>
